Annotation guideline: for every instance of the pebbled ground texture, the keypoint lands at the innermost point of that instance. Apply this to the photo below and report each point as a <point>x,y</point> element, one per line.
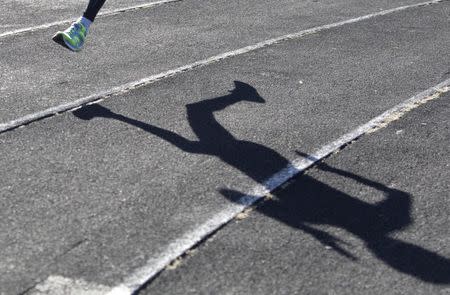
<point>94,194</point>
<point>371,219</point>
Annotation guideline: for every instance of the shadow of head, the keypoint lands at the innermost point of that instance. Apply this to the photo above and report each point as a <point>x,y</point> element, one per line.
<point>91,111</point>
<point>245,92</point>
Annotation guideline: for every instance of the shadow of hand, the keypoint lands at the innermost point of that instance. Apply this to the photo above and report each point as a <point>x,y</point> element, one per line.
<point>94,110</point>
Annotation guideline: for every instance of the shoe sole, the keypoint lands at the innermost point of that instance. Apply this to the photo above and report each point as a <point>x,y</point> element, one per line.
<point>59,38</point>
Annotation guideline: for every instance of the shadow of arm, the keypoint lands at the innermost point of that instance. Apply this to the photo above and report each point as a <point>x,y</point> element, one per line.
<point>397,204</point>
<point>169,136</point>
<point>97,111</point>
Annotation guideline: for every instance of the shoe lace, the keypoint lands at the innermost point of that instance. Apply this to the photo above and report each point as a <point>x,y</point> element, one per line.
<point>75,29</point>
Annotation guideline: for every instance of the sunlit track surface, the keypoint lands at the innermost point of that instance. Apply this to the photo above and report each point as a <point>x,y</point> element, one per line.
<point>121,187</point>
<point>33,81</point>
<point>117,8</point>
<point>151,79</point>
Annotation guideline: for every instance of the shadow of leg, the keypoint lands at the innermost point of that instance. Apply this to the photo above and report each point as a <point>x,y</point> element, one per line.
<point>412,260</point>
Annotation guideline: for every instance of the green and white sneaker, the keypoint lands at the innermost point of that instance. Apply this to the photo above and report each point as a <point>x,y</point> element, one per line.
<point>72,38</point>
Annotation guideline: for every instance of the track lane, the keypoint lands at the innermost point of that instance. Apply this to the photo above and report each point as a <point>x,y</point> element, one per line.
<point>95,199</point>
<point>41,76</point>
<point>19,17</point>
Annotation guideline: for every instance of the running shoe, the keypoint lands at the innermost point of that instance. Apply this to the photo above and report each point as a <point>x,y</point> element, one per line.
<point>72,38</point>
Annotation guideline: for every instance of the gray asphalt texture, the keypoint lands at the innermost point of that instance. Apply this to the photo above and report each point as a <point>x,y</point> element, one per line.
<point>93,194</point>
<point>20,14</point>
<point>134,45</point>
<point>371,219</point>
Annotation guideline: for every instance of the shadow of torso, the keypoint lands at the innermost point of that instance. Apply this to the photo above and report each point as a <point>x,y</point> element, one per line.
<point>254,160</point>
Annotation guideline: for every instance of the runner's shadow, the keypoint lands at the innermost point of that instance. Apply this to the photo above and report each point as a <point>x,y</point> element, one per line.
<point>308,201</point>
<point>255,160</point>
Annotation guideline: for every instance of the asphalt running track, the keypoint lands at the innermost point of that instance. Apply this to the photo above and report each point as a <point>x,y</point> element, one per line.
<point>105,197</point>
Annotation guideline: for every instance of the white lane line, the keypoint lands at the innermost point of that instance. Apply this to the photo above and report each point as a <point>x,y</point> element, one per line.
<point>57,285</point>
<point>106,12</point>
<point>60,285</point>
<point>180,245</point>
<point>151,79</point>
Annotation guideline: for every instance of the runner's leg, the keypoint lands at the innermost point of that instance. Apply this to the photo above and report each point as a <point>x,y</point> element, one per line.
<point>74,37</point>
<point>93,8</point>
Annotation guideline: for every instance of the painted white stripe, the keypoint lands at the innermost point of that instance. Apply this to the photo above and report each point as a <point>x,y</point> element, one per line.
<point>180,245</point>
<point>106,12</point>
<point>151,79</point>
<point>57,285</point>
